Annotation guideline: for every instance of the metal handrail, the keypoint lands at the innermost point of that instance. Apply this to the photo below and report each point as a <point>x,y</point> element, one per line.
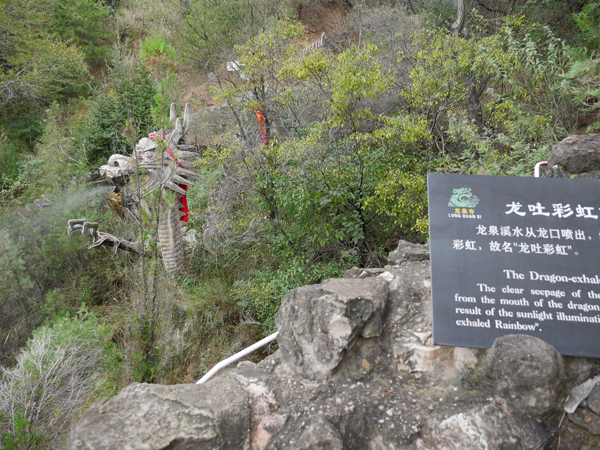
<point>536,171</point>
<point>234,358</point>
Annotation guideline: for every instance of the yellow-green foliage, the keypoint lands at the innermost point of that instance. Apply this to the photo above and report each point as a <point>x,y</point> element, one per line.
<point>319,193</point>
<point>445,68</point>
<point>273,62</point>
<point>259,60</point>
<point>403,196</point>
<point>356,76</point>
<point>262,55</point>
<point>514,77</point>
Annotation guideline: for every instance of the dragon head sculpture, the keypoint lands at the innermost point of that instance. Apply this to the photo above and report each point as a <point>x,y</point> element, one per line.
<point>154,179</point>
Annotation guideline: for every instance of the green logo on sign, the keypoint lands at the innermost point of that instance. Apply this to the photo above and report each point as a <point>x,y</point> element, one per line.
<point>463,198</point>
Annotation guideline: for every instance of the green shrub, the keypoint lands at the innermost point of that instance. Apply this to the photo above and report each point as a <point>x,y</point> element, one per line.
<point>120,117</point>
<point>588,21</point>
<point>19,132</point>
<point>402,196</point>
<point>36,65</point>
<point>10,153</point>
<point>22,436</point>
<point>582,79</point>
<point>103,134</point>
<point>156,47</point>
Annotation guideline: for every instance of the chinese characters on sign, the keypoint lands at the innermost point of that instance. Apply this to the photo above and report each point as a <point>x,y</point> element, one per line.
<point>515,255</point>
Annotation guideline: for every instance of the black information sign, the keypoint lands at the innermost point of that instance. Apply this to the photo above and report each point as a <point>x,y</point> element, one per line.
<point>515,255</point>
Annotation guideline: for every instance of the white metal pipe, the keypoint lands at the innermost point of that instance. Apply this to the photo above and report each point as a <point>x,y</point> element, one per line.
<point>536,171</point>
<point>234,358</point>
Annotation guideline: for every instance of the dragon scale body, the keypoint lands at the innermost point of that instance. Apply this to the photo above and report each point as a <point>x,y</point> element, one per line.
<point>170,239</point>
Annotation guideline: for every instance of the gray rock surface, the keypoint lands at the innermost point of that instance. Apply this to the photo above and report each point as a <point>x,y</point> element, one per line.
<point>471,428</point>
<point>579,393</point>
<point>320,435</point>
<point>583,405</point>
<point>407,251</point>
<point>527,372</point>
<point>594,400</point>
<point>317,323</point>
<point>586,419</point>
<point>181,417</point>
<point>576,156</point>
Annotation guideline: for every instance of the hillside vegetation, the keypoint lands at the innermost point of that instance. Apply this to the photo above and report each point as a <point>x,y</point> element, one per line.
<point>403,88</point>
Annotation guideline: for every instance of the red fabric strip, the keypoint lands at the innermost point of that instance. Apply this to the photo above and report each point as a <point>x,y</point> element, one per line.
<point>182,200</point>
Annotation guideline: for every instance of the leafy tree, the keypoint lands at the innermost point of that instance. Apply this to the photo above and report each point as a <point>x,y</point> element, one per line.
<point>212,27</point>
<point>526,108</point>
<point>259,84</point>
<point>315,187</point>
<point>446,70</point>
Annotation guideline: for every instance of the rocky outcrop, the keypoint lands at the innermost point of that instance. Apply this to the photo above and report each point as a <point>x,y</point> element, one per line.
<point>577,156</point>
<point>318,323</point>
<point>145,416</point>
<point>408,251</point>
<point>527,373</point>
<point>357,370</point>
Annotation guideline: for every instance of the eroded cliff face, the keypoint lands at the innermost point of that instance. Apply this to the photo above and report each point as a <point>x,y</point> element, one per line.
<point>356,369</point>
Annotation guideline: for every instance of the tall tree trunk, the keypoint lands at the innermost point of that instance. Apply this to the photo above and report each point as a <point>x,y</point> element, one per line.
<point>474,109</point>
<point>458,26</point>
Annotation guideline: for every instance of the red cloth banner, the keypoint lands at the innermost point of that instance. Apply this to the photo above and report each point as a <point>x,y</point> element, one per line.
<point>262,125</point>
<point>182,200</point>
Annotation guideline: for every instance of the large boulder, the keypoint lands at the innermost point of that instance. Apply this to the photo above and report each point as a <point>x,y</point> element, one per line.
<point>577,156</point>
<point>157,417</point>
<point>527,372</point>
<point>317,323</point>
<point>235,411</point>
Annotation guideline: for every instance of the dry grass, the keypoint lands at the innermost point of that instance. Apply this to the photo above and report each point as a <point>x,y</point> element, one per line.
<point>142,18</point>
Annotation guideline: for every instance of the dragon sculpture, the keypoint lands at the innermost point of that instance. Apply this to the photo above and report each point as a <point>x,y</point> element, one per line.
<point>153,181</point>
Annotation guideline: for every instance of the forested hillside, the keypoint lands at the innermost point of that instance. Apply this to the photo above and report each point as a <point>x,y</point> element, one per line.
<point>395,89</point>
